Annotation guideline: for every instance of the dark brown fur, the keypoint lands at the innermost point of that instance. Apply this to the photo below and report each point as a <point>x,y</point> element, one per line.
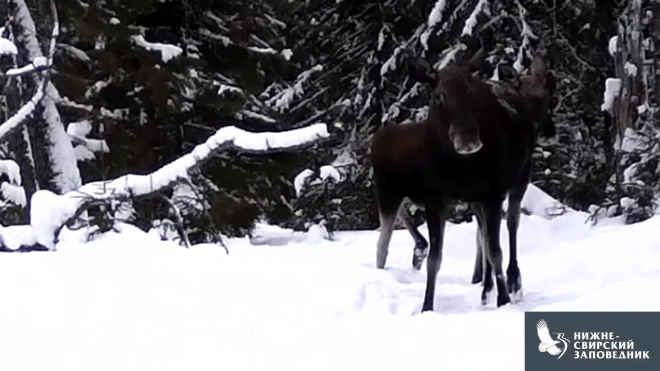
<point>471,148</point>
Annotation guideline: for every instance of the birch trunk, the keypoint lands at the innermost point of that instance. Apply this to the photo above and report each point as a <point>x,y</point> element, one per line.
<point>55,163</point>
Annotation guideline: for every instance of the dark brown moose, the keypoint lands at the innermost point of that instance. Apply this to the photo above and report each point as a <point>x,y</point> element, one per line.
<point>476,146</point>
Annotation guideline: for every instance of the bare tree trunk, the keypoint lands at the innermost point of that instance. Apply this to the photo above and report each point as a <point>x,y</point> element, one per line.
<point>628,64</point>
<point>627,59</point>
<point>653,59</point>
<point>55,163</point>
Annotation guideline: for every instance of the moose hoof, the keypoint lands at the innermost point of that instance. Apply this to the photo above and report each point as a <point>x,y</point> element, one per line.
<point>516,296</point>
<point>513,283</point>
<point>485,297</point>
<point>427,307</point>
<point>418,258</point>
<point>476,279</point>
<point>503,299</point>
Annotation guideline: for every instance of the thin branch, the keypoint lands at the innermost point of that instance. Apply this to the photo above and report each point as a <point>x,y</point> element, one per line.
<point>178,220</point>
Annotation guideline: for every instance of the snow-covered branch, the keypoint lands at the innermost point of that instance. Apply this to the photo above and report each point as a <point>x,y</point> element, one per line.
<point>228,137</point>
<point>11,191</point>
<point>481,7</point>
<point>50,212</point>
<point>85,148</point>
<point>37,65</point>
<point>19,117</point>
<point>526,34</point>
<point>7,47</point>
<point>167,51</point>
<point>282,101</point>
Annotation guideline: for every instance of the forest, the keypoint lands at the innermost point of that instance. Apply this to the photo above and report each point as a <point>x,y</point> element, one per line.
<point>199,119</point>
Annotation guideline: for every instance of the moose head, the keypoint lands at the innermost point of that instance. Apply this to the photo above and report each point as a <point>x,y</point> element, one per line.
<point>537,88</point>
<point>451,103</point>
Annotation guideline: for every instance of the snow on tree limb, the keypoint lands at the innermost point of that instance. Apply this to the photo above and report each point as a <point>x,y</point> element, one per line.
<point>228,137</point>
<point>84,147</point>
<point>282,100</point>
<point>167,51</point>
<point>37,65</point>
<point>15,121</point>
<point>435,16</point>
<point>481,7</point>
<point>11,169</point>
<point>50,212</point>
<point>526,34</point>
<point>11,191</point>
<point>7,47</point>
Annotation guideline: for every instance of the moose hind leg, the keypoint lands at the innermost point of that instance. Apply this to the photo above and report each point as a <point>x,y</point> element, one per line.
<point>478,274</point>
<point>387,210</point>
<point>513,277</point>
<point>421,250</point>
<point>481,262</point>
<point>492,212</point>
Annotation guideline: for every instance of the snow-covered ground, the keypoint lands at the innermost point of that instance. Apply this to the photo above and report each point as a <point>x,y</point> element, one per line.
<point>127,301</point>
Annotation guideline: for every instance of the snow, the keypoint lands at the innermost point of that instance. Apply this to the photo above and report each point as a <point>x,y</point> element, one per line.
<point>381,39</point>
<point>631,69</point>
<point>227,136</point>
<point>228,89</point>
<point>16,236</point>
<point>326,173</point>
<point>329,172</point>
<point>7,47</point>
<point>261,50</point>
<point>612,89</point>
<point>301,180</point>
<point>87,147</point>
<point>526,34</point>
<point>11,169</point>
<point>49,211</point>
<point>294,301</point>
<point>472,19</point>
<point>449,55</point>
<point>390,63</point>
<point>114,21</point>
<point>540,204</point>
<point>612,45</point>
<point>282,100</point>
<point>17,119</point>
<point>435,16</point>
<point>254,115</point>
<point>424,38</point>
<point>97,87</point>
<point>287,54</point>
<point>13,193</point>
<point>168,51</point>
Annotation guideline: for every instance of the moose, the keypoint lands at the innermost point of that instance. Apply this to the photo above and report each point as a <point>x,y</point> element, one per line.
<point>476,146</point>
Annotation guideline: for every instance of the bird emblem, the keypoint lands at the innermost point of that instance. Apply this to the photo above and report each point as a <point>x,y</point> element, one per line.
<point>548,344</point>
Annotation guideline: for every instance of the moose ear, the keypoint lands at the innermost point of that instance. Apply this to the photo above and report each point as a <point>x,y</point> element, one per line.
<point>477,61</point>
<point>550,83</point>
<point>420,69</point>
<point>508,74</point>
<point>549,129</point>
<point>538,68</point>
